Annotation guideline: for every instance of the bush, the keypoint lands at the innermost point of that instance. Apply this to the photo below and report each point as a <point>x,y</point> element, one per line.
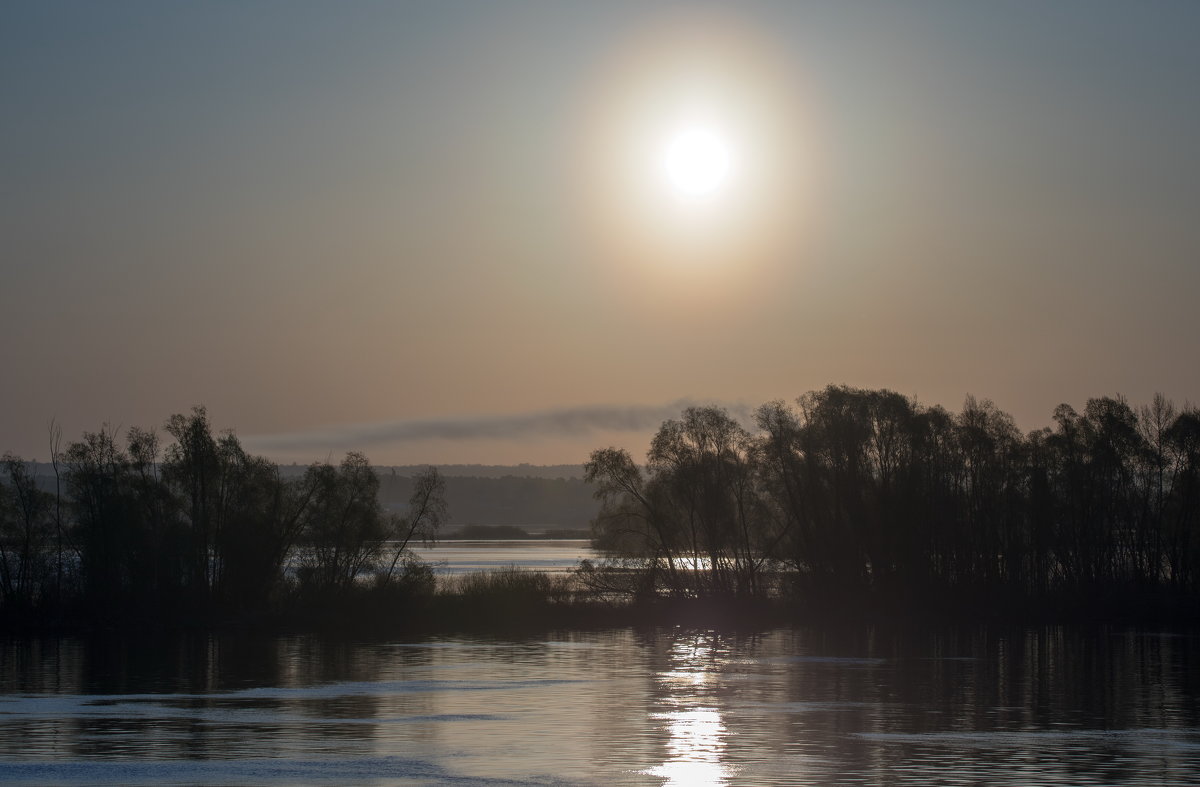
<point>411,577</point>
<point>510,587</point>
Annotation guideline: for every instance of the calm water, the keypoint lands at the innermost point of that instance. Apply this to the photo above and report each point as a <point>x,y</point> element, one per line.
<point>789,706</point>
<point>549,555</point>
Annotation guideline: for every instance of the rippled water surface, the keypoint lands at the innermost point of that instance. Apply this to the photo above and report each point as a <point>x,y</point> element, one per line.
<point>668,706</point>
<point>547,555</point>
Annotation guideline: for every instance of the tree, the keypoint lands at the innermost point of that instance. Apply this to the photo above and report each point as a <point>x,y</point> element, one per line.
<point>703,467</point>
<point>260,519</point>
<point>697,517</point>
<point>426,511</point>
<point>59,524</point>
<point>192,469</point>
<point>632,523</point>
<point>344,524</point>
<point>99,488</point>
<point>26,532</point>
<point>1183,503</point>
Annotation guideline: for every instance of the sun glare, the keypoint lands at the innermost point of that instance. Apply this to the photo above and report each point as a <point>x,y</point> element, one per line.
<point>693,156</point>
<point>696,162</point>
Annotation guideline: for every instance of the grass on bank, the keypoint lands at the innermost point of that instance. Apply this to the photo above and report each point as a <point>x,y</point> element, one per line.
<point>517,600</point>
<point>521,600</point>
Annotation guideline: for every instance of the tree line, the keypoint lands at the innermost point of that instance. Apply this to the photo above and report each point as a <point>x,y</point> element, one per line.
<point>137,529</point>
<point>853,492</point>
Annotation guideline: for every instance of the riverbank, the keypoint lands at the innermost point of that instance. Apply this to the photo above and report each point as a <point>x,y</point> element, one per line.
<point>792,705</point>
<point>515,601</point>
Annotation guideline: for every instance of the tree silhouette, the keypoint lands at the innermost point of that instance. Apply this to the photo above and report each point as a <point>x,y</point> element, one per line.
<point>858,492</point>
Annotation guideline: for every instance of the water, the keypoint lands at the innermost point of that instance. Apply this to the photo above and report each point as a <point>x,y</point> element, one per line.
<point>790,706</point>
<point>548,555</point>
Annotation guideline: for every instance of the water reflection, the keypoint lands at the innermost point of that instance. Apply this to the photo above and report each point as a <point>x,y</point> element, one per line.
<point>695,730</point>
<point>553,556</point>
<point>697,740</point>
<point>646,707</point>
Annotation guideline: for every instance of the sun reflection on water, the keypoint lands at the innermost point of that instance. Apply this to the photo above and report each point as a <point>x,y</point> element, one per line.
<point>697,741</point>
<point>696,731</point>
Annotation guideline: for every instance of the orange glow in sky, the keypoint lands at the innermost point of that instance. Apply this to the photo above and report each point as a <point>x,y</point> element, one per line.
<point>470,228</point>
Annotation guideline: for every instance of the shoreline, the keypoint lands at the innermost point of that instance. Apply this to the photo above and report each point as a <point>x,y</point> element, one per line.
<point>373,613</point>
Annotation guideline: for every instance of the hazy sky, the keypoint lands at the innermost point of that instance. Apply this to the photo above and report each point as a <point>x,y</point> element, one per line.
<point>443,232</point>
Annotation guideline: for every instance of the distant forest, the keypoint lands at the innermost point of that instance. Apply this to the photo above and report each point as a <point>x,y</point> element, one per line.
<point>527,501</point>
<point>536,497</point>
<point>853,493</point>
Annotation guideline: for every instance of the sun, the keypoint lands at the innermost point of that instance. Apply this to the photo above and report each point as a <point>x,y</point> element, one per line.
<point>693,156</point>
<point>696,162</point>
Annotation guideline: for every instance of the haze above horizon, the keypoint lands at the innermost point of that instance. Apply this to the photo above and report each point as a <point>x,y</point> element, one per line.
<point>512,232</point>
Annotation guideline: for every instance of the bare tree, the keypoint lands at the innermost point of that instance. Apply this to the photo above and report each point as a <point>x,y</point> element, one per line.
<point>426,512</point>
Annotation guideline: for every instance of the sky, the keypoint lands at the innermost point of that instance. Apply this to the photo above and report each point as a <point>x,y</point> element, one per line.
<point>449,231</point>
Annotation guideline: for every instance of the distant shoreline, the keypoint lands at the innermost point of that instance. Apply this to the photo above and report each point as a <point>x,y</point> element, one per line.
<point>511,533</point>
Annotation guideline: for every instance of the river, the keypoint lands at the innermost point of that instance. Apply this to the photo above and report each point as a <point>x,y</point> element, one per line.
<point>548,555</point>
<point>954,706</point>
